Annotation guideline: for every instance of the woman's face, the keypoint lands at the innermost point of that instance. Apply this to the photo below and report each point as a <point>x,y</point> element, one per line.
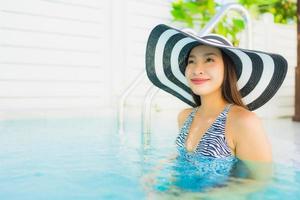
<point>205,70</point>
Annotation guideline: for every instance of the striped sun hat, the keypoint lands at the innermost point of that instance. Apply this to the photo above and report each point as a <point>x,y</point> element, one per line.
<point>259,74</point>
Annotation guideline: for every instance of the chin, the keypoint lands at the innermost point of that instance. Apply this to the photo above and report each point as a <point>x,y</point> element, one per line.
<point>203,91</point>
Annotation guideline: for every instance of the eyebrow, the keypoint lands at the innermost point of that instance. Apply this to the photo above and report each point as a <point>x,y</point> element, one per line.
<point>205,54</point>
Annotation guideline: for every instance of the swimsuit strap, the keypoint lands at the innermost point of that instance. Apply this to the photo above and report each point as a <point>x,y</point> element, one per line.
<point>191,116</point>
<point>227,108</point>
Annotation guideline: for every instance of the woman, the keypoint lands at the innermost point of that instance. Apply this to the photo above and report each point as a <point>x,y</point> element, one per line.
<point>223,84</point>
<point>222,125</point>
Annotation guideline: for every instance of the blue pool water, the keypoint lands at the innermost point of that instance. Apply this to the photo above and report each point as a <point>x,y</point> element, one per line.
<point>88,159</point>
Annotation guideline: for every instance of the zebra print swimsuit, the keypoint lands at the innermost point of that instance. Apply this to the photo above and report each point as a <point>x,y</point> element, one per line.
<point>212,143</point>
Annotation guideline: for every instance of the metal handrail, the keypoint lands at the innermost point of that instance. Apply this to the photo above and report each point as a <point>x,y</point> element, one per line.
<point>227,7</point>
<point>145,115</point>
<point>126,93</point>
<point>123,98</point>
<point>151,93</point>
<point>146,124</point>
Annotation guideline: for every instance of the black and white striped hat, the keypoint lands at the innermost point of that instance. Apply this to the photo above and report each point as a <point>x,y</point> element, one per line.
<point>259,74</point>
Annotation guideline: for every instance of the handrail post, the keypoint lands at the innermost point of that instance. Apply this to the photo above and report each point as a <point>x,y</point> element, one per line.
<point>146,116</point>
<point>123,98</point>
<point>146,112</point>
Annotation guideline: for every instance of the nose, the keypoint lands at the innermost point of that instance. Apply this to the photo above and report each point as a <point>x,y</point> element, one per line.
<point>198,69</point>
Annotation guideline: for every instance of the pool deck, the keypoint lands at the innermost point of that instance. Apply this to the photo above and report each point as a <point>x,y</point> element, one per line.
<point>284,135</point>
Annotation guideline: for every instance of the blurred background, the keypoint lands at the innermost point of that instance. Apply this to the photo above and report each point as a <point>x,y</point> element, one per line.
<point>68,58</point>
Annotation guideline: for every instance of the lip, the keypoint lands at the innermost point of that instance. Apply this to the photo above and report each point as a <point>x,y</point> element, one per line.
<point>199,81</point>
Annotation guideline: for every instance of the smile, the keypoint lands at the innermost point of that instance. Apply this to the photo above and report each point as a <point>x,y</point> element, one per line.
<point>197,81</point>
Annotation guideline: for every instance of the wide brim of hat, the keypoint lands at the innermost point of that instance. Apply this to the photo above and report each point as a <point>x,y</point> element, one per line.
<point>259,74</point>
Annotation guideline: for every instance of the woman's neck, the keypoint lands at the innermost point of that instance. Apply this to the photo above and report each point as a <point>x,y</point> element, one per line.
<point>212,104</point>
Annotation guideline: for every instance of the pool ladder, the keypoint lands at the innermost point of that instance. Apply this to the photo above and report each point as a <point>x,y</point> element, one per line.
<point>152,91</point>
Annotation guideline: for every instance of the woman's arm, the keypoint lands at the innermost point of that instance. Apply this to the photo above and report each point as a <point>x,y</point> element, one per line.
<point>253,171</point>
<point>182,115</point>
<point>252,146</point>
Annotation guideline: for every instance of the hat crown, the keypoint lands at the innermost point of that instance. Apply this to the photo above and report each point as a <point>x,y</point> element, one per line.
<point>217,39</point>
<point>211,37</point>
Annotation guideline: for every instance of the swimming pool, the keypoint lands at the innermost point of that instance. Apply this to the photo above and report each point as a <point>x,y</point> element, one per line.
<point>87,159</point>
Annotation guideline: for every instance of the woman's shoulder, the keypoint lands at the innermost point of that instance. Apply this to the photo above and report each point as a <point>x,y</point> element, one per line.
<point>248,135</point>
<point>243,117</point>
<point>182,115</point>
<point>245,124</point>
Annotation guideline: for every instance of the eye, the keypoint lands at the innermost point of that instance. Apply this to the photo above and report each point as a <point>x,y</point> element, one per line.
<point>190,61</point>
<point>209,60</point>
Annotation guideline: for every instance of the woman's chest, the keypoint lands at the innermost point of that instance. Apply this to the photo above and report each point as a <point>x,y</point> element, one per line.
<point>207,137</point>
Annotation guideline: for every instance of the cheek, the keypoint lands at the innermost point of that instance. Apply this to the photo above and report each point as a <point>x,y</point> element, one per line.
<point>218,72</point>
<point>187,72</point>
